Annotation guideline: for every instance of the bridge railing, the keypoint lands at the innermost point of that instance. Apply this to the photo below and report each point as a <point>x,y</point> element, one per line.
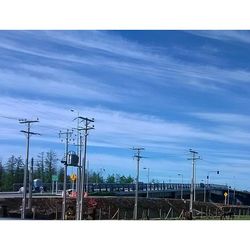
<point>115,187</point>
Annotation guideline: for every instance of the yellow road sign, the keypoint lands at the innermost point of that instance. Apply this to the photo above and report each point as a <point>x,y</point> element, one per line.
<point>73,177</point>
<point>225,194</point>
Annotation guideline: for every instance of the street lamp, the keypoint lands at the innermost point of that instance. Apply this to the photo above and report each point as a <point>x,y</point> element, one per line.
<point>181,185</point>
<point>148,182</point>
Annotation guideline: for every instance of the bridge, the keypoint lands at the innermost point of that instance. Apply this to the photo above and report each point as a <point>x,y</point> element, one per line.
<point>212,192</point>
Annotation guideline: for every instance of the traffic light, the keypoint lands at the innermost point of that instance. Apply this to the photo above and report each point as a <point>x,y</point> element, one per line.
<point>218,172</point>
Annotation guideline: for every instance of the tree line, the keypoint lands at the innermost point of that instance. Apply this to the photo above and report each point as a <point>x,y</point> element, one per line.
<point>45,165</point>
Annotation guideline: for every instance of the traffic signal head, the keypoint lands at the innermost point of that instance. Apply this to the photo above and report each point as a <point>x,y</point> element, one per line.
<point>218,172</point>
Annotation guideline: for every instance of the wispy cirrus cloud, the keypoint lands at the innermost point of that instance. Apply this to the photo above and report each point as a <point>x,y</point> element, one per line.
<point>141,94</point>
<point>225,35</point>
<point>225,118</point>
<point>114,53</point>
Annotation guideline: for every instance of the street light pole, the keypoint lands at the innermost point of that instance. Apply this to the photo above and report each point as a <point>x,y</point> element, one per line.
<point>181,185</point>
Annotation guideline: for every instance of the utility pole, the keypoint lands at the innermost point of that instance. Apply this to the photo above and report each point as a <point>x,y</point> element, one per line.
<point>79,172</point>
<point>138,157</point>
<point>79,175</point>
<point>87,178</point>
<point>86,128</point>
<point>192,191</point>
<point>28,133</point>
<point>30,183</point>
<point>67,135</point>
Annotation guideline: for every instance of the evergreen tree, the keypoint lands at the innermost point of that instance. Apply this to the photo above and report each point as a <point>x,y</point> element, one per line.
<point>1,176</point>
<point>50,166</point>
<point>60,174</point>
<point>19,170</point>
<point>110,179</point>
<point>39,171</point>
<point>9,176</point>
<point>95,177</point>
<point>126,180</point>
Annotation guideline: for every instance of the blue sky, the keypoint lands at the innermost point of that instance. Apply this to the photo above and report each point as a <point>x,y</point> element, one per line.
<point>167,91</point>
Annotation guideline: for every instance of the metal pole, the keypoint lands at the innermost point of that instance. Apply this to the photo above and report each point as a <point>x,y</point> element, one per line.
<point>56,187</point>
<point>25,175</point>
<point>228,195</point>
